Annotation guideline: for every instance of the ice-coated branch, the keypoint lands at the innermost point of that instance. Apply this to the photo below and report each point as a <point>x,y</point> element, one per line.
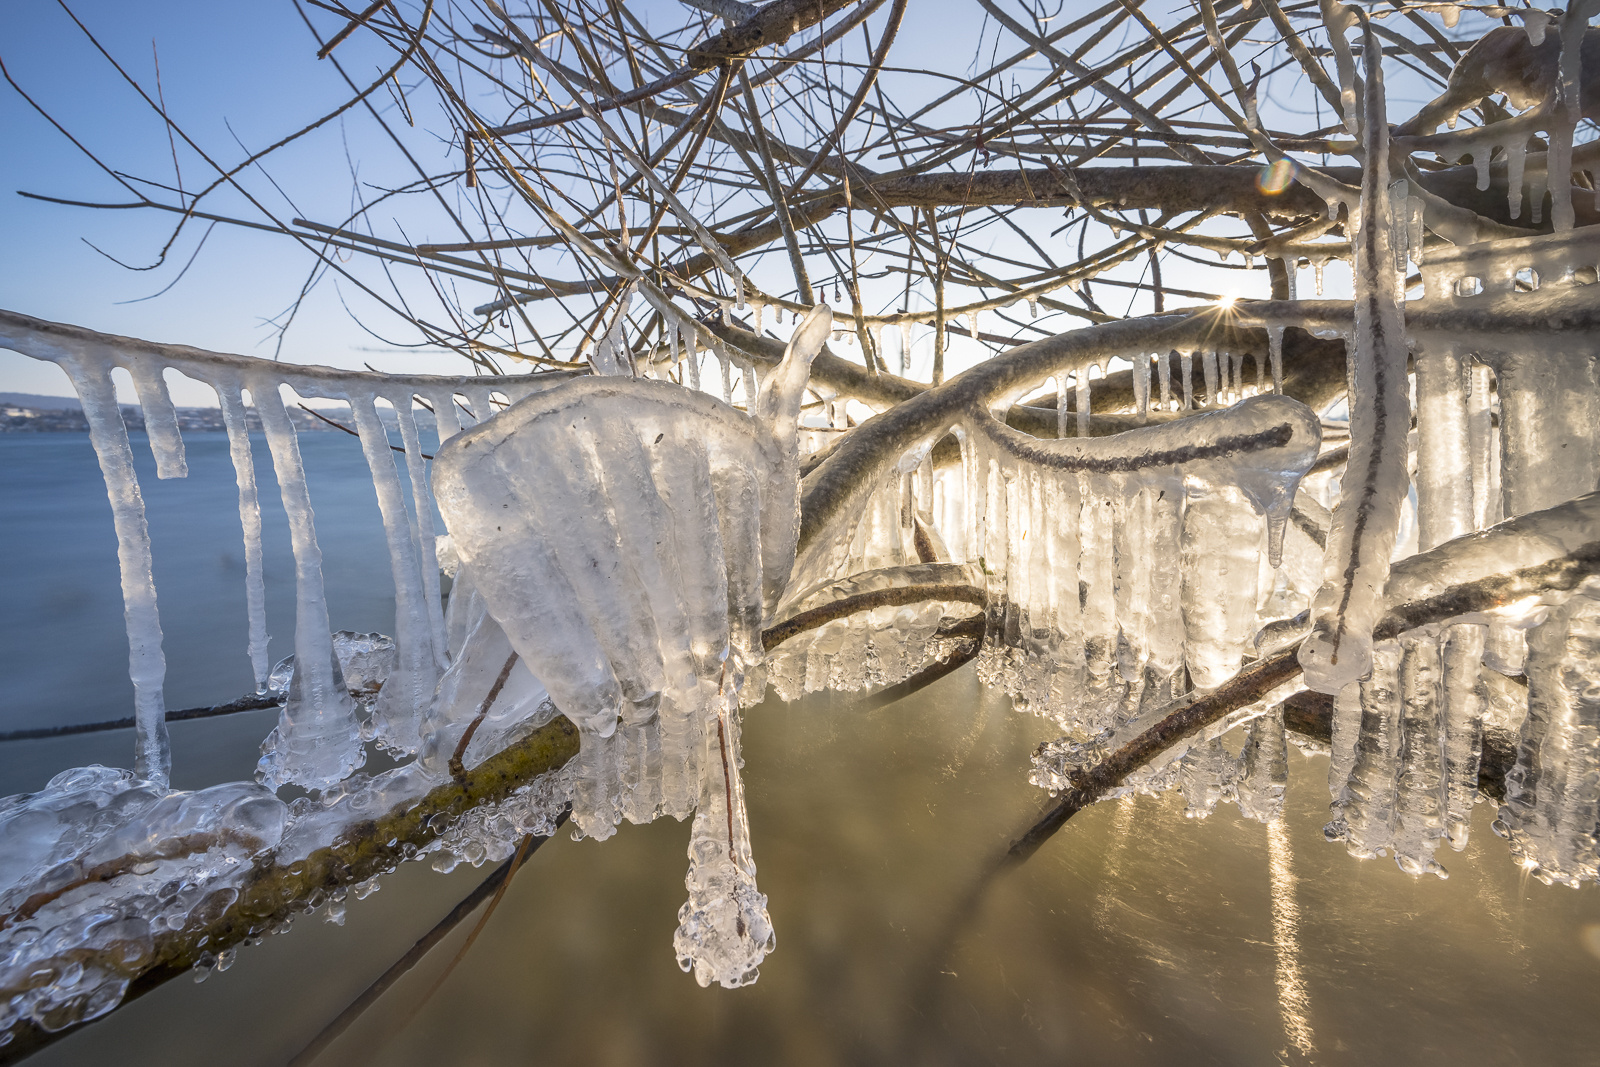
<point>1367,516</point>
<point>835,489</point>
<point>274,892</point>
<point>1547,551</point>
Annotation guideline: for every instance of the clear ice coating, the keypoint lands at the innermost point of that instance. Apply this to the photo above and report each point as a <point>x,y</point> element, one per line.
<point>620,547</point>
<point>1367,516</point>
<point>1114,563</point>
<point>629,538</point>
<point>98,863</point>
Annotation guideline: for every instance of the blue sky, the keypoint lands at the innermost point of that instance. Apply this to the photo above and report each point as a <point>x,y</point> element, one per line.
<point>245,71</point>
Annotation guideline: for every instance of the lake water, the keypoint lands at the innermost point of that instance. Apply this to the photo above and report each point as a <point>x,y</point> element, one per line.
<point>1135,936</point>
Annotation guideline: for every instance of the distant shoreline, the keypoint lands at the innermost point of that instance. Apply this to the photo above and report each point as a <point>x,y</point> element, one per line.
<point>35,413</point>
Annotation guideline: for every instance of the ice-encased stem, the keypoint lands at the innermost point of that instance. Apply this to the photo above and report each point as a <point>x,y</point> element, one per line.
<point>724,931</point>
<point>318,741</point>
<point>147,664</point>
<point>1367,516</point>
<point>231,399</point>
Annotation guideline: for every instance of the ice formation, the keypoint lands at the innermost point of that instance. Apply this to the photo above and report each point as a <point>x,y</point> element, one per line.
<point>629,538</point>
<point>629,552</point>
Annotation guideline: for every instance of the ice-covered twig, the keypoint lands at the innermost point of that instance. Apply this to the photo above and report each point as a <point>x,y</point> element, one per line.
<point>273,891</point>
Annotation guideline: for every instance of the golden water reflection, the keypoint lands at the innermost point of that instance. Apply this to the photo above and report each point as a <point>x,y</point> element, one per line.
<point>1136,936</point>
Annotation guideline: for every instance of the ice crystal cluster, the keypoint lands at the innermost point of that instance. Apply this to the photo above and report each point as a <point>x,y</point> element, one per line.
<point>644,558</point>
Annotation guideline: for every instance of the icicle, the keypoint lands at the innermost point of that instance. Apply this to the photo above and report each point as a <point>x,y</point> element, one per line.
<point>1082,382</point>
<point>478,400</point>
<point>1463,698</point>
<point>1415,220</point>
<point>972,324</point>
<point>1033,308</point>
<point>693,349</point>
<point>1368,797</point>
<point>1205,776</point>
<point>1316,275</point>
<point>233,417</point>
<point>1164,372</point>
<point>1548,393</point>
<point>1275,347</point>
<point>160,419</point>
<point>1141,386</point>
<point>1516,153</point>
<point>726,366</point>
<point>1444,475</point>
<point>760,313</point>
<point>1346,730</point>
<point>1480,444</point>
<point>408,691</point>
<point>1061,405</point>
<point>1221,565</point>
<point>1419,786</point>
<point>747,372</point>
<point>1366,519</point>
<point>1187,362</point>
<point>1097,574</point>
<point>422,528</point>
<point>1553,793</point>
<point>1263,769</point>
<point>1208,363</point>
<point>1564,123</point>
<point>446,415</point>
<point>603,359</point>
<point>317,741</point>
<point>147,664</point>
<point>724,931</point>
<point>905,347</point>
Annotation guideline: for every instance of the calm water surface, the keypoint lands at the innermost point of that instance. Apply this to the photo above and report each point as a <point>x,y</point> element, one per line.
<point>1135,936</point>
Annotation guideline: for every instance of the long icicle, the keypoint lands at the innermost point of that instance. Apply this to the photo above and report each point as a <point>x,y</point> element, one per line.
<point>147,664</point>
<point>317,741</point>
<point>406,694</point>
<point>230,397</point>
<point>423,534</point>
